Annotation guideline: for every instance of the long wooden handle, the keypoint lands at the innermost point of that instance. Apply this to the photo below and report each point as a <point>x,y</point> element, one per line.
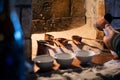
<point>58,43</point>
<point>89,39</point>
<point>92,39</point>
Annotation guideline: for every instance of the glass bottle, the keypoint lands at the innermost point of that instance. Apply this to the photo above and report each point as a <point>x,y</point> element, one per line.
<point>11,44</point>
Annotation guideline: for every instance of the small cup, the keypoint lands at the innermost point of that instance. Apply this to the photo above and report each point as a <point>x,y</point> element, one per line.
<point>100,24</point>
<point>106,19</point>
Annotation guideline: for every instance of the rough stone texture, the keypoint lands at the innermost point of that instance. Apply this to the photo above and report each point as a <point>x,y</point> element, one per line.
<point>78,13</point>
<point>60,8</point>
<point>59,14</point>
<point>94,10</point>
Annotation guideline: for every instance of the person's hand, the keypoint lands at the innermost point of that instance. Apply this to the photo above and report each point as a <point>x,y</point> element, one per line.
<point>109,35</point>
<point>100,24</point>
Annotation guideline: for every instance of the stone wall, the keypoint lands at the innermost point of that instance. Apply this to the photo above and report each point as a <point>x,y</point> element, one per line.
<point>57,15</point>
<point>94,10</point>
<point>78,13</point>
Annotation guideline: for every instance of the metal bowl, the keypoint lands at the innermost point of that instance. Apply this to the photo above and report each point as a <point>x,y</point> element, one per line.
<point>84,56</point>
<point>64,59</point>
<point>44,62</point>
